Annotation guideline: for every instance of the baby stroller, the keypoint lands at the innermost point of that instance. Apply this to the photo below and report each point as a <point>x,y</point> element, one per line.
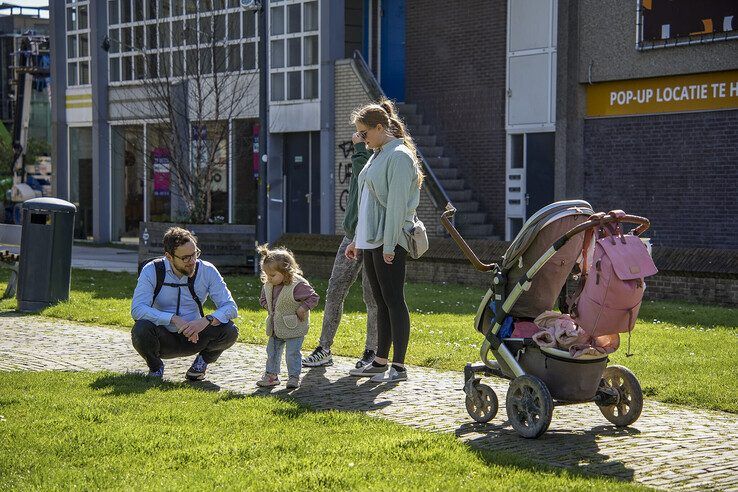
<point>528,282</point>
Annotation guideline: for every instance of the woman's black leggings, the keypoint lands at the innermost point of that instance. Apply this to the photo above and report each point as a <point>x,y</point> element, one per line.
<point>388,287</point>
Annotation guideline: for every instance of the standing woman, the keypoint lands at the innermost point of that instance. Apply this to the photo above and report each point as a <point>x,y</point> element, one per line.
<point>389,193</point>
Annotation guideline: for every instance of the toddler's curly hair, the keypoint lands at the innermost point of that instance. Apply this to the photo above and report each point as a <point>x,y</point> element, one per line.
<point>279,259</point>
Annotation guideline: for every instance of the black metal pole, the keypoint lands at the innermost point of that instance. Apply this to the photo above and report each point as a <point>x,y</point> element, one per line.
<point>261,219</point>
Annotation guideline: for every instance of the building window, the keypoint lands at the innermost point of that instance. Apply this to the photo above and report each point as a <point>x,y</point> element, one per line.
<point>294,50</point>
<point>78,43</point>
<point>171,38</point>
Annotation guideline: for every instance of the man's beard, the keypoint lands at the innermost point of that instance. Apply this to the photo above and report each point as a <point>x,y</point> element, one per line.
<point>187,270</point>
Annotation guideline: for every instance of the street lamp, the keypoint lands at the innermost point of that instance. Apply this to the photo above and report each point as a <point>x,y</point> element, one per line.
<point>261,218</point>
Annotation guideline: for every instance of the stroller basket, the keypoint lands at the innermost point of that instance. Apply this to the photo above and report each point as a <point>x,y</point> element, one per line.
<point>567,379</point>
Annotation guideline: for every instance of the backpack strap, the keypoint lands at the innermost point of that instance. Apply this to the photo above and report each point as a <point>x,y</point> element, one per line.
<point>161,272</point>
<point>572,299</point>
<point>588,236</point>
<point>191,286</point>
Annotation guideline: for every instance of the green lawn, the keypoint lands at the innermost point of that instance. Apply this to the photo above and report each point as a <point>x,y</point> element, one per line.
<point>683,353</point>
<point>95,431</point>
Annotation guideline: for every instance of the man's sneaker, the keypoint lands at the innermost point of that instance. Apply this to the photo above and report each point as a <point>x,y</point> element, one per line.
<point>159,373</point>
<point>366,359</point>
<point>268,380</point>
<point>293,382</point>
<point>319,357</point>
<point>197,370</point>
<point>367,371</point>
<point>390,376</point>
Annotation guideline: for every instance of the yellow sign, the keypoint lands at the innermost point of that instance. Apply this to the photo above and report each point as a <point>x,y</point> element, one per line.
<point>680,93</point>
<point>79,101</point>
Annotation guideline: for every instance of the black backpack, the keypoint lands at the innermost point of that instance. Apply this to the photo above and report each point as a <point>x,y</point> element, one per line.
<point>161,274</point>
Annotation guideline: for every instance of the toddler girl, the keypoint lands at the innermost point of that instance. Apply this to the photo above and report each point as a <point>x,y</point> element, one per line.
<point>288,298</point>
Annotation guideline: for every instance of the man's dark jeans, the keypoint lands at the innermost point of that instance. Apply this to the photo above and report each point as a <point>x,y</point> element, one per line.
<point>155,343</point>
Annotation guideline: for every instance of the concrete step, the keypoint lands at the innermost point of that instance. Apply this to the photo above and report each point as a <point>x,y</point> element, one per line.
<point>431,151</point>
<point>424,140</point>
<point>437,162</point>
<point>466,206</point>
<point>413,119</point>
<point>452,184</point>
<point>459,195</point>
<point>446,173</point>
<point>419,130</point>
<point>477,231</point>
<point>405,108</point>
<point>469,218</point>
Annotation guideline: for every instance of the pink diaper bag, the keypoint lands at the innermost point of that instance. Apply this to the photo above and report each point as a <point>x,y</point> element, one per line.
<point>612,285</point>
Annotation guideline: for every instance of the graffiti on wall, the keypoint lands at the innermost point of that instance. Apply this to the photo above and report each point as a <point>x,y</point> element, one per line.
<point>344,171</point>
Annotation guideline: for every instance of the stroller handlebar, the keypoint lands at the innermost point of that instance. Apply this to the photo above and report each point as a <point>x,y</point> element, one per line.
<point>608,218</point>
<point>463,246</point>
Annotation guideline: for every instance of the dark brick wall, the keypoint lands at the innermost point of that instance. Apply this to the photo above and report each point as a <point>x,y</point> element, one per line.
<point>680,171</point>
<point>455,59</point>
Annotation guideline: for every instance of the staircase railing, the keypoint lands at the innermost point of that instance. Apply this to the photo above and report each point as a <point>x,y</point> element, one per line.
<point>437,193</point>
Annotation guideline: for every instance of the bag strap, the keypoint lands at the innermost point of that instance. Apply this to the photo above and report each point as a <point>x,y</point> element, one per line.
<point>588,236</point>
<point>376,197</point>
<point>371,190</point>
<point>191,286</point>
<point>161,272</point>
<point>572,299</point>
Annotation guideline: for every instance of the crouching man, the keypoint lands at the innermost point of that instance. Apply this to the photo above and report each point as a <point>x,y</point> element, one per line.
<point>167,308</point>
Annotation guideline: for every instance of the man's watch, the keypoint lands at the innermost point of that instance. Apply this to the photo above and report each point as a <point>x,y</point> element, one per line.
<point>210,318</point>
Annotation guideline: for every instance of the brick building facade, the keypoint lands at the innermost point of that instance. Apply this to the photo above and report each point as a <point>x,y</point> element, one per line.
<point>679,170</point>
<point>455,73</point>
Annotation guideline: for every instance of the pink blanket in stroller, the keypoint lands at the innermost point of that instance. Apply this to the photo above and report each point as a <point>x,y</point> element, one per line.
<point>560,331</point>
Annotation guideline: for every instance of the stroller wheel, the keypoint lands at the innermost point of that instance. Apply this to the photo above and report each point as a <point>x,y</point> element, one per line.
<point>529,406</point>
<point>630,397</point>
<point>483,406</point>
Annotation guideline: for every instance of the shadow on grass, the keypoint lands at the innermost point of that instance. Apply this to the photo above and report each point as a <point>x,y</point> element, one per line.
<point>130,384</point>
<point>578,452</point>
<point>137,383</point>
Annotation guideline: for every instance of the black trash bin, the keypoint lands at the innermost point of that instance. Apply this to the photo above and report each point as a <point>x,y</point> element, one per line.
<point>44,273</point>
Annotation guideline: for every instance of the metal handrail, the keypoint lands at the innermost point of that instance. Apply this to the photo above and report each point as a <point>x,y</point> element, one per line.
<point>437,193</point>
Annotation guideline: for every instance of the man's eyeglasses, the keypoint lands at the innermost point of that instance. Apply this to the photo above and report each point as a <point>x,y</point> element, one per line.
<point>362,134</point>
<point>189,258</point>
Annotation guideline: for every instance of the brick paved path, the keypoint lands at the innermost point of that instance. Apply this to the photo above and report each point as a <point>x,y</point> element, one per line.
<point>669,447</point>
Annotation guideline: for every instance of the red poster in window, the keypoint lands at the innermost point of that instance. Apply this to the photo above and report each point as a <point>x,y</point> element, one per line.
<point>160,157</point>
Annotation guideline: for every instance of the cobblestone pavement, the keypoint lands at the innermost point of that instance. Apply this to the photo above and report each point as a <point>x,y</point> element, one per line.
<point>669,447</point>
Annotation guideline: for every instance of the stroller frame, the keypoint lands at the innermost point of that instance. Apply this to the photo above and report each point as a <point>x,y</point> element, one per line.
<point>480,399</point>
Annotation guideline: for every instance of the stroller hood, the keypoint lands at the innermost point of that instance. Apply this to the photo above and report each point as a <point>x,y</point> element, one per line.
<point>537,235</point>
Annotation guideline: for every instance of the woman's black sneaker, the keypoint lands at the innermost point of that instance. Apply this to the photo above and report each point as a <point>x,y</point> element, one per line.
<point>366,359</point>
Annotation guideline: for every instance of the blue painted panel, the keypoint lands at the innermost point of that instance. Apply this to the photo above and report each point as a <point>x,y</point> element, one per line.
<point>392,76</point>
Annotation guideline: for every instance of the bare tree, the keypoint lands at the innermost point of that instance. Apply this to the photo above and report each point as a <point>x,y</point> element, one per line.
<point>188,100</point>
